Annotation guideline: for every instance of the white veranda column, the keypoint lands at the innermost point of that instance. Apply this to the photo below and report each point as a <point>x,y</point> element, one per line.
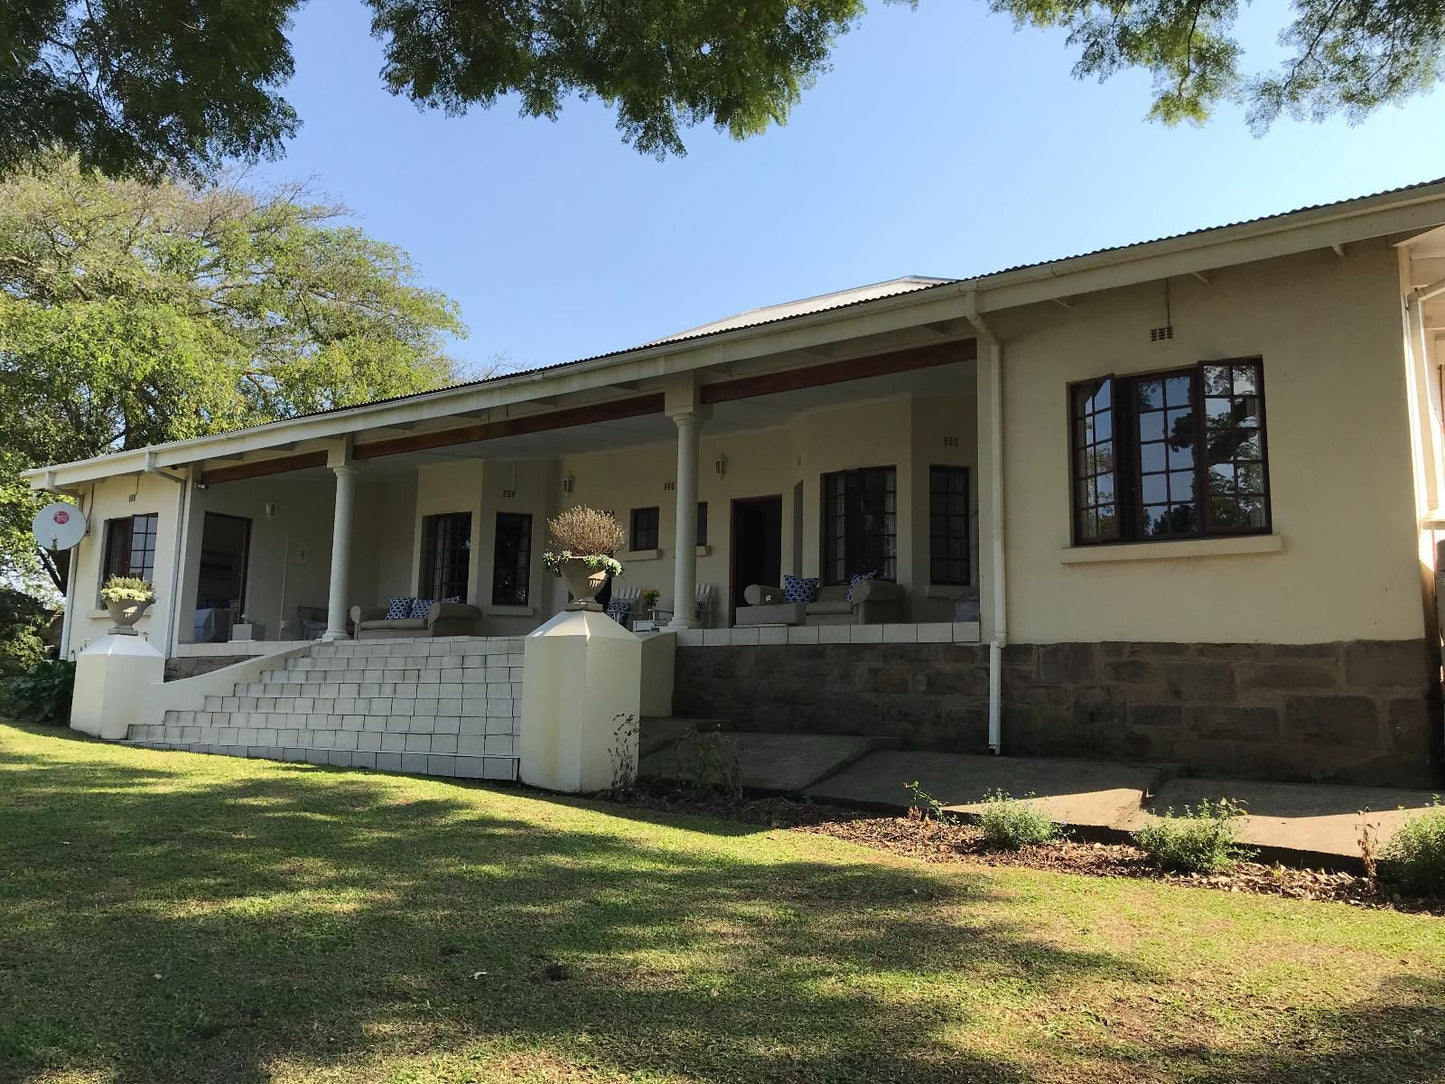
<point>340,552</point>
<point>684,581</point>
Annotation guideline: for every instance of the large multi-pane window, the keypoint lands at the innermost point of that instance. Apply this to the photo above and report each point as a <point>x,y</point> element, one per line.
<point>512,559</point>
<point>1179,454</point>
<point>446,555</point>
<point>130,547</point>
<point>948,553</point>
<point>644,534</point>
<point>860,524</point>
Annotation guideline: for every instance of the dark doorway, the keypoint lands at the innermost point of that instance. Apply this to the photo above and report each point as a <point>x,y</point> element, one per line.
<point>757,547</point>
<point>221,590</point>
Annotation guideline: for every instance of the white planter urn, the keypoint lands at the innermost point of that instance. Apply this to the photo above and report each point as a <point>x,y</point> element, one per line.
<point>124,615</point>
<point>583,582</point>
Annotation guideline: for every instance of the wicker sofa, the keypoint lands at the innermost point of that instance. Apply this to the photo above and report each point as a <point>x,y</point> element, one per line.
<point>442,619</point>
<point>874,602</point>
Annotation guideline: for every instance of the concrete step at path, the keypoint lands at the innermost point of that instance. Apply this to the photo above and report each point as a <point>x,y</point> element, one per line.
<point>1076,792</point>
<point>656,732</point>
<point>770,763</point>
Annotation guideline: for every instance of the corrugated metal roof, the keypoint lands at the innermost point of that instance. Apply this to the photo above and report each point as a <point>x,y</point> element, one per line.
<point>862,295</point>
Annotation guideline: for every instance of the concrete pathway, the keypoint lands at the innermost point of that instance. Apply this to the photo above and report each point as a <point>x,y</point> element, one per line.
<point>772,763</point>
<point>1304,824</point>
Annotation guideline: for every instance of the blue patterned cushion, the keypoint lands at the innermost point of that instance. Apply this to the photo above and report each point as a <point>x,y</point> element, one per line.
<point>858,578</point>
<point>798,589</point>
<point>420,607</point>
<point>399,609</point>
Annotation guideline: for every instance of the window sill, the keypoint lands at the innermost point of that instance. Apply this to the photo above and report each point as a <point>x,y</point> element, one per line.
<point>641,555</point>
<point>509,611</point>
<point>1245,545</point>
<point>950,590</point>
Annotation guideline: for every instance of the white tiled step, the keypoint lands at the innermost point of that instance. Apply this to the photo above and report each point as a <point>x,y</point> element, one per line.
<point>449,765</point>
<point>470,737</point>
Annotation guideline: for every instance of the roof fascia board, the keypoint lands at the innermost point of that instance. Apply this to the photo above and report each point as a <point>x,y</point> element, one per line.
<point>1160,259</point>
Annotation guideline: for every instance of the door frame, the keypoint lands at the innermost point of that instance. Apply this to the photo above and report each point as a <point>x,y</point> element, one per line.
<point>245,555</point>
<point>733,544</point>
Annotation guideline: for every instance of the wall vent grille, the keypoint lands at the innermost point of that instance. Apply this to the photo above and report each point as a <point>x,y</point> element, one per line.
<point>668,487</point>
<point>1160,334</point>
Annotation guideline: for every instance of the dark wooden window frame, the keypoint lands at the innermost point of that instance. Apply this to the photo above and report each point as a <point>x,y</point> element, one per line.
<point>521,559</point>
<point>638,533</point>
<point>967,516</point>
<point>702,523</point>
<point>1127,468</point>
<point>436,578</point>
<point>117,557</point>
<point>852,531</point>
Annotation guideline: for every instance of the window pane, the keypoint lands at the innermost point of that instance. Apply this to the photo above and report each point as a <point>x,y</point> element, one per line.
<point>1181,486</point>
<point>1151,425</point>
<point>1245,380</point>
<point>1154,488</point>
<point>1150,394</point>
<point>1177,391</point>
<point>1152,457</point>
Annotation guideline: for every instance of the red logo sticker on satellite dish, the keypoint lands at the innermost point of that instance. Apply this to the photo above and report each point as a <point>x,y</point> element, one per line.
<point>62,517</point>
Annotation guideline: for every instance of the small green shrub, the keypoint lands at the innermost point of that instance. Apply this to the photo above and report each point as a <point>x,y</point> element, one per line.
<point>1413,861</point>
<point>924,805</point>
<point>42,695</point>
<point>1202,839</point>
<point>1010,823</point>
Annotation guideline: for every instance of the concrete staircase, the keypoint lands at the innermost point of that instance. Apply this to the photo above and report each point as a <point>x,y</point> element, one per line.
<point>448,707</point>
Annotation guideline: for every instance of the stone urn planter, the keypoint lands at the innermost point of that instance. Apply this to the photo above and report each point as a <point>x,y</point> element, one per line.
<point>124,615</point>
<point>583,582</point>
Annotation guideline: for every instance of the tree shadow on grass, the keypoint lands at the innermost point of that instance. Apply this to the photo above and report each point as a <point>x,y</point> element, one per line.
<point>290,916</point>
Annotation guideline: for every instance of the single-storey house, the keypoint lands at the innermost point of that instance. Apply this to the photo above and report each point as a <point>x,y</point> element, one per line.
<point>1176,501</point>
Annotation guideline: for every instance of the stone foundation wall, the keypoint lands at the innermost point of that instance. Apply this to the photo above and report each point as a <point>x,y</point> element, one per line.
<point>178,669</point>
<point>1358,712</point>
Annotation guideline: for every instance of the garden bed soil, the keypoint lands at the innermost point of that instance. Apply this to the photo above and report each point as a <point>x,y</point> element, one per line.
<point>932,841</point>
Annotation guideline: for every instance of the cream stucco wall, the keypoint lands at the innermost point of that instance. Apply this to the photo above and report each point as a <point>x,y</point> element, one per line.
<point>1329,332</point>
<point>115,498</point>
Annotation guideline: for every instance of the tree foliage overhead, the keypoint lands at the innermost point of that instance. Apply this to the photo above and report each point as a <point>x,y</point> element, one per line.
<point>133,314</point>
<point>137,87</point>
<point>1346,56</point>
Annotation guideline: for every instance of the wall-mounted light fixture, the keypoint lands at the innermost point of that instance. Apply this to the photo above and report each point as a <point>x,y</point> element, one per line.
<point>720,465</point>
<point>270,510</point>
<point>568,482</point>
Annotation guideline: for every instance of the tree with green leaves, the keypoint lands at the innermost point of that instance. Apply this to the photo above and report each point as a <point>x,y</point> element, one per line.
<point>134,87</point>
<point>134,313</point>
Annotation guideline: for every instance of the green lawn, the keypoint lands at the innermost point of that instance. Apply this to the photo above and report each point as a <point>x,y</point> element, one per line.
<point>165,917</point>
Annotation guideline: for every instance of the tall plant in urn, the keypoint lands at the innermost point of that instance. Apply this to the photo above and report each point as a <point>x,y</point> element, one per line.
<point>583,541</point>
<point>127,598</point>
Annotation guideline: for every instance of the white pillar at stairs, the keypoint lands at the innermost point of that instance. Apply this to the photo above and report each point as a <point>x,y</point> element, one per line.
<point>684,582</point>
<point>340,552</point>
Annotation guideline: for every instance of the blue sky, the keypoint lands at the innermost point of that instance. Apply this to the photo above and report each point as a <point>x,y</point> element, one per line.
<point>942,143</point>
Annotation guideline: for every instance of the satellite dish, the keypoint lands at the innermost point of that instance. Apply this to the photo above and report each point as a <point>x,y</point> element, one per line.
<point>59,526</point>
